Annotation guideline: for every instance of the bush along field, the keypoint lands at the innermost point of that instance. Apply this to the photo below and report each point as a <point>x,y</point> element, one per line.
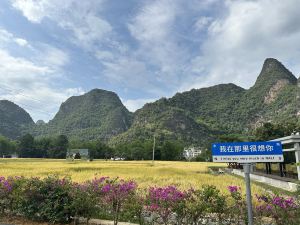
<point>56,200</point>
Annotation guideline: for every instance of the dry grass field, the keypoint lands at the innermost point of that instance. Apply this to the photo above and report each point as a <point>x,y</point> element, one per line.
<point>181,174</point>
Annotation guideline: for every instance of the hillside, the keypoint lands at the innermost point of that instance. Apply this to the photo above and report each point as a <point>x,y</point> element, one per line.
<point>98,114</point>
<point>224,108</point>
<point>13,119</point>
<point>192,117</point>
<point>165,122</point>
<point>272,98</point>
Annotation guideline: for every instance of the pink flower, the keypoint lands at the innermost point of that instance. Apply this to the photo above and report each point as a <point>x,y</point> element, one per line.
<point>233,189</point>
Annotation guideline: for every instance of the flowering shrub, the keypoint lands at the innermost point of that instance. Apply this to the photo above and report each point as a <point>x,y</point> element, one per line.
<point>113,194</point>
<point>83,201</point>
<point>6,186</point>
<point>57,200</point>
<point>165,201</point>
<point>284,210</point>
<point>46,200</point>
<point>205,204</point>
<point>238,210</point>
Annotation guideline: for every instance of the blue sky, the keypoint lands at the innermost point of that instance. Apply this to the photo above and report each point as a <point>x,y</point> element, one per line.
<point>141,49</point>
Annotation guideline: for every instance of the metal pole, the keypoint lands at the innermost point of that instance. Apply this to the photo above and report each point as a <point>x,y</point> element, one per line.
<point>247,171</point>
<point>153,150</point>
<point>297,156</point>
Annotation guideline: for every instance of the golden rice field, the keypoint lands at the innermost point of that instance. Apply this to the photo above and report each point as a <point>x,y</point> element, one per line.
<point>181,174</point>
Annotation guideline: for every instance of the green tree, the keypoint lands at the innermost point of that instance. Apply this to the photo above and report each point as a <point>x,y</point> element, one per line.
<point>205,156</point>
<point>269,131</point>
<point>26,147</point>
<point>42,145</point>
<point>6,146</point>
<point>59,147</point>
<point>171,151</point>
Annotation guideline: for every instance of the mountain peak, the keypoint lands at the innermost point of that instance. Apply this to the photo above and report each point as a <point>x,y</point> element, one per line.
<point>97,114</point>
<point>12,119</point>
<point>16,111</point>
<point>272,71</point>
<point>98,90</point>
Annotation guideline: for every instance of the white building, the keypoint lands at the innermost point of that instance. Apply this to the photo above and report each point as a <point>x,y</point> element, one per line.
<point>191,152</point>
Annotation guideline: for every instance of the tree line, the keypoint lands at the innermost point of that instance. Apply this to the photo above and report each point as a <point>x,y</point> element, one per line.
<point>56,147</point>
<point>29,147</point>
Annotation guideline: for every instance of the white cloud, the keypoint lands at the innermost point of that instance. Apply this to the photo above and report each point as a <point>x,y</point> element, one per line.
<point>21,42</point>
<point>203,22</point>
<point>134,104</point>
<point>154,21</point>
<point>80,17</point>
<point>130,73</point>
<point>33,10</point>
<point>29,84</point>
<point>104,55</point>
<point>41,102</point>
<point>238,42</point>
<point>154,28</point>
<point>172,44</point>
<point>7,37</point>
<point>31,81</point>
<point>21,73</point>
<point>54,56</point>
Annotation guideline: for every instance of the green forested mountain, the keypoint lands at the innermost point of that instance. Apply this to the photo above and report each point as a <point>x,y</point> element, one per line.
<point>221,109</point>
<point>98,114</point>
<point>13,119</point>
<point>192,117</point>
<point>272,98</point>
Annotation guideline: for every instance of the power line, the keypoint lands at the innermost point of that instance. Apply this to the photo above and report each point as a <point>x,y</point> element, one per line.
<point>27,96</point>
<point>19,92</point>
<point>35,108</point>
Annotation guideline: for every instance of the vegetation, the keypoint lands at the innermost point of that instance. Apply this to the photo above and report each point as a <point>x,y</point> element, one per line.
<point>222,109</point>
<point>7,146</point>
<point>60,200</point>
<point>195,117</point>
<point>96,115</point>
<point>13,119</point>
<point>181,174</point>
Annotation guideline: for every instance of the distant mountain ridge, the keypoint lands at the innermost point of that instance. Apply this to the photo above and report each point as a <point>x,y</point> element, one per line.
<point>193,117</point>
<point>13,119</point>
<point>98,114</point>
<point>224,108</point>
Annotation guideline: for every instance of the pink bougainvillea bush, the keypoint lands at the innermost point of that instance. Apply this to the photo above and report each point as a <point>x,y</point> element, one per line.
<point>56,200</point>
<point>282,209</point>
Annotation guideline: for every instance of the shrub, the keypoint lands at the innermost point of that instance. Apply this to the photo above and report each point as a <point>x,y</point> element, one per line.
<point>238,211</point>
<point>206,202</point>
<point>6,188</point>
<point>46,200</point>
<point>283,210</point>
<point>165,201</point>
<point>83,201</point>
<point>57,200</point>
<point>113,194</point>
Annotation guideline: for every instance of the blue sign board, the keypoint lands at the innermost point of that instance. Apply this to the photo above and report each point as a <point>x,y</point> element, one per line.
<point>247,152</point>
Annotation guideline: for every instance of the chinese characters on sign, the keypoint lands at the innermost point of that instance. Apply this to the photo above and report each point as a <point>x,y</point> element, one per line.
<point>247,152</point>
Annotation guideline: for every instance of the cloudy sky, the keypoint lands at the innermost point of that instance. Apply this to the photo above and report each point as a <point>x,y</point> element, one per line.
<point>140,49</point>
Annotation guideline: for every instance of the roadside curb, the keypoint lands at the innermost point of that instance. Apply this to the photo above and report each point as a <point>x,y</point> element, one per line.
<point>104,222</point>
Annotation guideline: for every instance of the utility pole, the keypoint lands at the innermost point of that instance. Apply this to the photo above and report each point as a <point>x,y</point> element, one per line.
<point>153,150</point>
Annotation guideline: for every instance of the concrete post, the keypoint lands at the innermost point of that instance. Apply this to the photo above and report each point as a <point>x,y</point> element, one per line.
<point>297,154</point>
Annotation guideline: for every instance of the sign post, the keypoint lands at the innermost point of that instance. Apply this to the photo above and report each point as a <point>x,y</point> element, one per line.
<point>247,153</point>
<point>247,170</point>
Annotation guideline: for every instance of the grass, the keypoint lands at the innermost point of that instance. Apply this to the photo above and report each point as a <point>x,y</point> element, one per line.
<point>181,174</point>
